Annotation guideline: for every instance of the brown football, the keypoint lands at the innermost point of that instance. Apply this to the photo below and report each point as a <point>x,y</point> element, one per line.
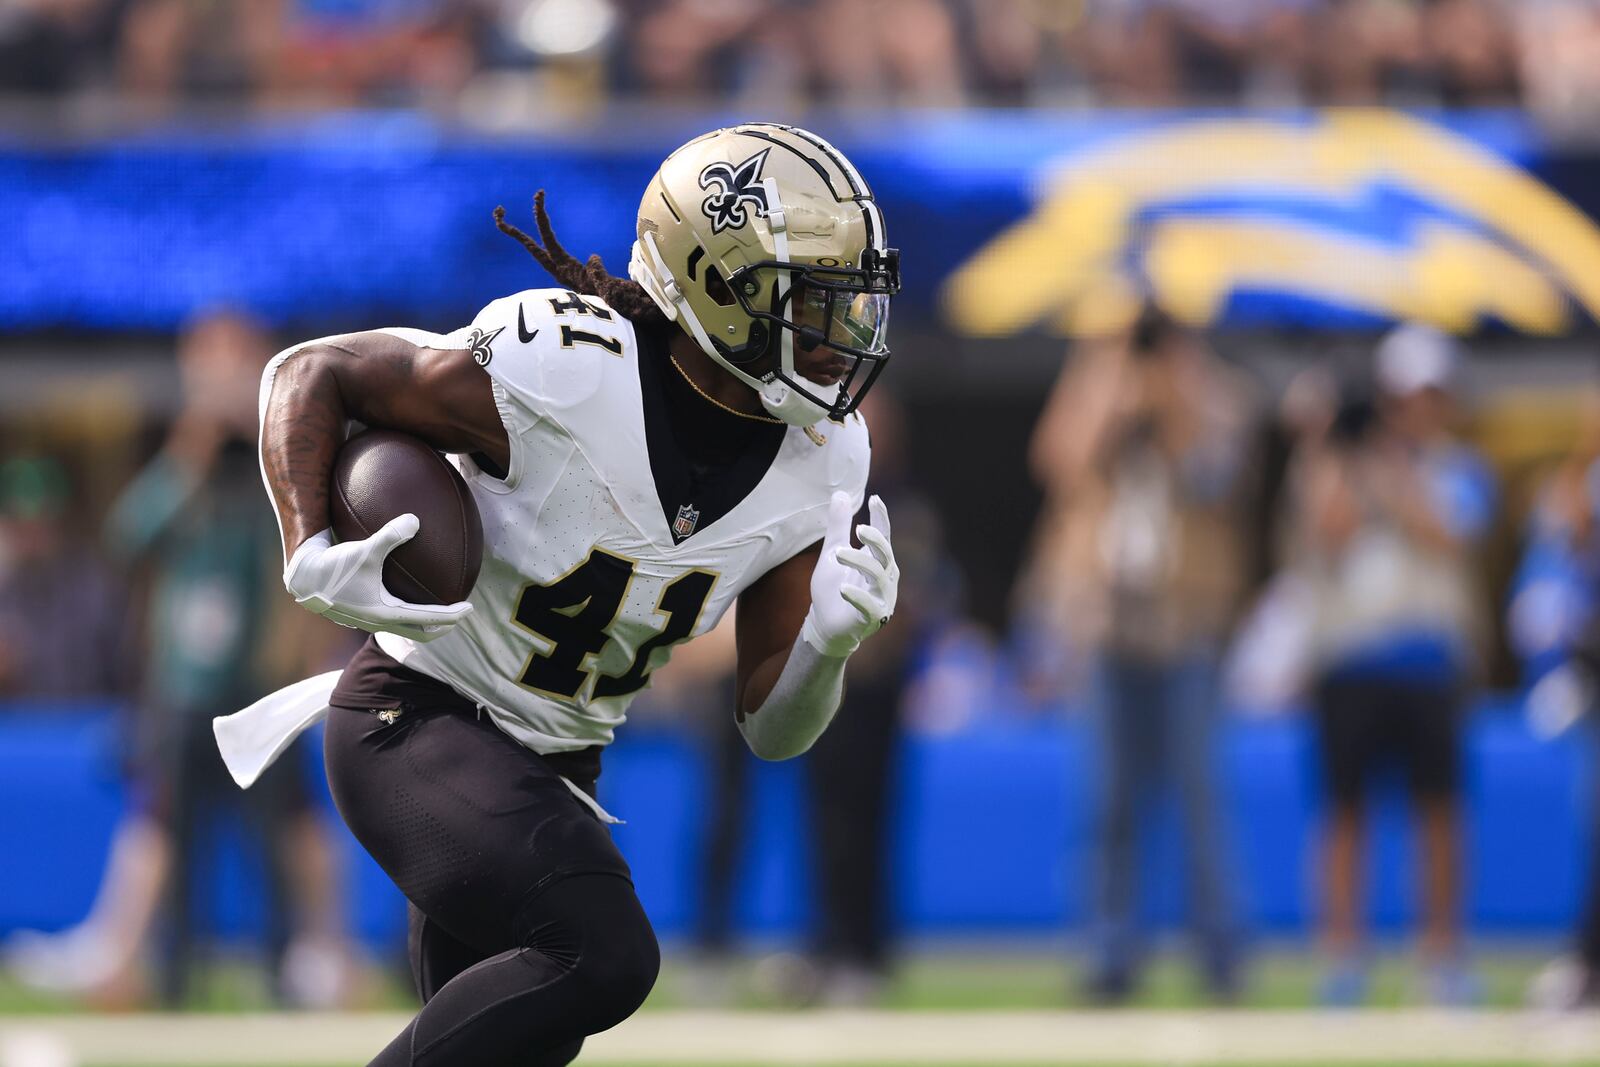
<point>379,474</point>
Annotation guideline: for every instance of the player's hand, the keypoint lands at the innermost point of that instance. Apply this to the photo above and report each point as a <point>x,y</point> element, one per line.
<point>344,583</point>
<point>853,590</point>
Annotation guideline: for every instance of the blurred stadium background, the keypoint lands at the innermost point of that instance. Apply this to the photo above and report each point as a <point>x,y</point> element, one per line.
<point>1168,506</point>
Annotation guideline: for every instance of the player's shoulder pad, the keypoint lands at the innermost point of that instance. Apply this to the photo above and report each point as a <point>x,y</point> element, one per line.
<point>540,345</point>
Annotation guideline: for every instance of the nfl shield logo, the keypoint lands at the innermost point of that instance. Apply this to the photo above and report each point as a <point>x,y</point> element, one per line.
<point>683,525</point>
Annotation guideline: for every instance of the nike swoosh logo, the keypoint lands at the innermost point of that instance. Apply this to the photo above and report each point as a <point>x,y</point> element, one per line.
<point>523,333</point>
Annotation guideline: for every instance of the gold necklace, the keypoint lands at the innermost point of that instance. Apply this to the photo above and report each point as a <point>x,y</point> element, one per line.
<point>713,400</point>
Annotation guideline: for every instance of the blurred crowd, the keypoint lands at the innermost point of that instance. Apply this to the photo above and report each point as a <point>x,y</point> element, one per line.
<point>1372,613</point>
<point>169,604</point>
<point>1203,546</point>
<point>523,57</point>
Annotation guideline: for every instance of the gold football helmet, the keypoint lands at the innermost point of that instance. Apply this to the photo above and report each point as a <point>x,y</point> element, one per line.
<point>760,237</point>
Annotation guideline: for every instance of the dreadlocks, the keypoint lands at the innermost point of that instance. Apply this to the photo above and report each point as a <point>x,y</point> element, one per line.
<point>623,294</point>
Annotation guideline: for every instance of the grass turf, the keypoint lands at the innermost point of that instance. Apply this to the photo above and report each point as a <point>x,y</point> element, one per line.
<point>925,981</point>
<point>932,982</point>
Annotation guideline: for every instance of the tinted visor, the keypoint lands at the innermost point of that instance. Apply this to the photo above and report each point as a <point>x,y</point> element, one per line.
<point>842,310</point>
<point>850,320</point>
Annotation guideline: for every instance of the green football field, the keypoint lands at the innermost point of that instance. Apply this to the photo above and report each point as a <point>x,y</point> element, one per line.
<point>944,1009</point>
<point>937,980</point>
<point>670,1038</point>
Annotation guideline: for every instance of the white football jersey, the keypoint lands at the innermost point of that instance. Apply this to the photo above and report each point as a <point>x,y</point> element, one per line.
<point>584,588</point>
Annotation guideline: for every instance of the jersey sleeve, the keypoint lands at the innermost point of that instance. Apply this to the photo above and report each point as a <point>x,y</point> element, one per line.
<point>517,341</point>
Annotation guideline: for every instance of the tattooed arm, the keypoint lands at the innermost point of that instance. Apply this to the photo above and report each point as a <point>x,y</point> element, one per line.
<point>440,395</point>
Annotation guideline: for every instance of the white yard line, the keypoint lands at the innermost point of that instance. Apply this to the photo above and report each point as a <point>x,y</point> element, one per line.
<point>824,1038</point>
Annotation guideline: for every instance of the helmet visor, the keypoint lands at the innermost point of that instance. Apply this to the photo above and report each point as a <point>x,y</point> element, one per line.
<point>838,317</point>
<point>848,319</point>
<point>861,322</point>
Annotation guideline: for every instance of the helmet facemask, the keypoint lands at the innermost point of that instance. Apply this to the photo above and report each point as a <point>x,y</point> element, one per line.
<point>842,309</point>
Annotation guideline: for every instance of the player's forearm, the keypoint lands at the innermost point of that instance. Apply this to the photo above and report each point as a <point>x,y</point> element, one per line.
<point>301,431</point>
<point>798,707</point>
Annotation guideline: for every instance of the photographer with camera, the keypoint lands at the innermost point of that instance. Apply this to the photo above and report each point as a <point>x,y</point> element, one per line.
<point>1392,505</point>
<point>1142,451</point>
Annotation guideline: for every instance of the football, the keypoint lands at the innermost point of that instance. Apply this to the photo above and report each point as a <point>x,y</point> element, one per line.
<point>379,474</point>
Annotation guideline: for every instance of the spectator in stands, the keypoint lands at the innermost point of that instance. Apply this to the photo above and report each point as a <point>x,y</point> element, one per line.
<point>62,615</point>
<point>1558,45</point>
<point>1471,52</point>
<point>1209,44</point>
<point>329,53</point>
<point>51,47</point>
<point>1141,452</point>
<point>851,771</point>
<point>1371,51</point>
<point>409,53</point>
<point>339,53</point>
<point>699,682</point>
<point>1281,51</point>
<point>172,49</point>
<point>195,521</point>
<point>689,49</point>
<point>899,52</point>
<point>1553,594</point>
<point>196,518</point>
<point>1007,48</point>
<point>1554,626</point>
<point>1393,506</point>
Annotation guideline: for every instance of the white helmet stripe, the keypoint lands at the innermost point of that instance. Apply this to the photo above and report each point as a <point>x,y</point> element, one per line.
<point>779,227</point>
<point>876,235</point>
<point>875,231</point>
<point>858,184</point>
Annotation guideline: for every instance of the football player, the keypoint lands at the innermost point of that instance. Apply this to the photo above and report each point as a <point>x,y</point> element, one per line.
<point>643,451</point>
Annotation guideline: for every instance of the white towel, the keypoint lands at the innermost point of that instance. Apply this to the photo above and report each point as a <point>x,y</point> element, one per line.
<point>251,739</point>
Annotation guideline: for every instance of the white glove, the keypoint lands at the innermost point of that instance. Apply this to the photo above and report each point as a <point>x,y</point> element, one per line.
<point>853,590</point>
<point>344,582</point>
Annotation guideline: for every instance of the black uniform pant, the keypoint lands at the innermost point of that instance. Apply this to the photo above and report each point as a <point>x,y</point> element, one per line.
<point>525,933</point>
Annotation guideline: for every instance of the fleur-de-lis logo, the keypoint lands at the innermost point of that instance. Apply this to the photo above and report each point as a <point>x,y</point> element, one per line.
<point>735,187</point>
<point>482,343</point>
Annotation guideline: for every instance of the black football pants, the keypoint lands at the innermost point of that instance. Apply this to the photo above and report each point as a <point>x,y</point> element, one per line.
<point>525,933</point>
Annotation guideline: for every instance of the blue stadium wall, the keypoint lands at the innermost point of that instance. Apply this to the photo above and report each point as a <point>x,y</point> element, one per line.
<point>992,833</point>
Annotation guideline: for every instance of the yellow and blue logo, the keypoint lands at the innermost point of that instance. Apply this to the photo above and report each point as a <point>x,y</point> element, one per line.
<point>1375,212</point>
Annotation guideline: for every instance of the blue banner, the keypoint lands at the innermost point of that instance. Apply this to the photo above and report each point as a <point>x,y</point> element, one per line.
<point>1009,222</point>
<point>993,831</point>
